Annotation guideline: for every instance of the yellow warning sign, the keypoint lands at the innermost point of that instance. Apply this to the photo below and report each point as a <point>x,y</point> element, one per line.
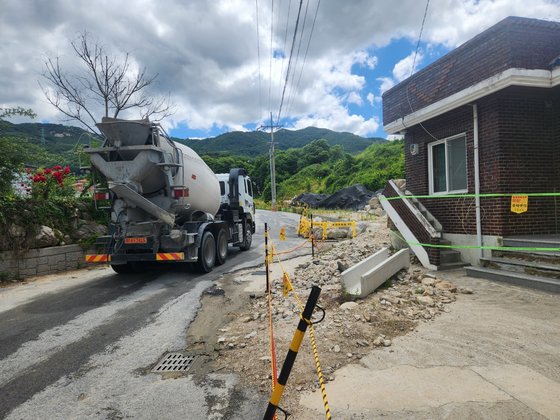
<point>519,203</point>
<point>283,234</point>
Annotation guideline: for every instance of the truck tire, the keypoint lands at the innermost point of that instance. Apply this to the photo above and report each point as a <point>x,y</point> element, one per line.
<point>247,237</point>
<point>221,247</point>
<point>127,268</point>
<point>207,252</point>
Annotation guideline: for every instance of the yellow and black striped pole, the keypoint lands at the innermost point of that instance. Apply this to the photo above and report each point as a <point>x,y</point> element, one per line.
<point>292,353</point>
<point>266,258</point>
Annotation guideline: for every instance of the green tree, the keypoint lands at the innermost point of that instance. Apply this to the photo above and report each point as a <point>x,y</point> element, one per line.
<point>14,151</point>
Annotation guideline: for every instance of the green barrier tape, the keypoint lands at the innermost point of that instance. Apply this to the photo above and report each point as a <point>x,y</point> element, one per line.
<point>471,195</point>
<point>496,248</point>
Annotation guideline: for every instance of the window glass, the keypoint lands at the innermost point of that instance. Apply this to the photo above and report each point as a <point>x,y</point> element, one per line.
<point>438,159</point>
<point>457,169</point>
<point>449,165</point>
<point>222,188</point>
<point>250,184</point>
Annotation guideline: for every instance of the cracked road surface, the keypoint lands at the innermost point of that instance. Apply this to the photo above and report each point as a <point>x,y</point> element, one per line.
<point>81,344</point>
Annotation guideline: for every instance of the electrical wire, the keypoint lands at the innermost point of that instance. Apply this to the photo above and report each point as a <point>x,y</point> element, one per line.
<point>412,70</point>
<point>285,42</point>
<point>419,37</point>
<point>289,63</point>
<point>291,84</point>
<point>290,103</point>
<point>271,55</point>
<point>259,59</point>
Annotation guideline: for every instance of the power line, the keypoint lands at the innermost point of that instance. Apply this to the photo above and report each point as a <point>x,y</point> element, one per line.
<point>419,37</point>
<point>291,101</point>
<point>291,85</point>
<point>285,42</point>
<point>259,58</point>
<point>289,62</point>
<point>412,69</point>
<point>271,55</point>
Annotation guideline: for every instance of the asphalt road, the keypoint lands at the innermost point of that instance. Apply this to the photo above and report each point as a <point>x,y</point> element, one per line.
<point>81,345</point>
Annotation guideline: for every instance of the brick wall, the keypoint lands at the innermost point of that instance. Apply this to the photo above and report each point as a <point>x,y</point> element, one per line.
<point>512,43</point>
<point>519,135</point>
<point>38,262</point>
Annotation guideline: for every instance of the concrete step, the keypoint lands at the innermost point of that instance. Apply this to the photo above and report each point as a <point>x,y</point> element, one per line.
<point>452,266</point>
<point>449,256</point>
<point>544,257</point>
<point>533,282</point>
<point>534,268</point>
<point>533,243</point>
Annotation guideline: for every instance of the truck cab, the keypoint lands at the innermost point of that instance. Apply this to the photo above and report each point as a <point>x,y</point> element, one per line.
<point>237,187</point>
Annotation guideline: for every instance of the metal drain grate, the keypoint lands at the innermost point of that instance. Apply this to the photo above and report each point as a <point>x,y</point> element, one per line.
<point>174,362</point>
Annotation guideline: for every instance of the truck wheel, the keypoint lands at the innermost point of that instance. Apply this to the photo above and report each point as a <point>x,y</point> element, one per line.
<point>247,238</point>
<point>221,247</point>
<point>127,268</point>
<point>207,253</point>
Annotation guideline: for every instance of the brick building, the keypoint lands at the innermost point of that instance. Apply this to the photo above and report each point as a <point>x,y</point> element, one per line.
<point>500,91</point>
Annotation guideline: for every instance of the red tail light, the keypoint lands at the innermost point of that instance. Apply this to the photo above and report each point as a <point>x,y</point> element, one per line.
<point>101,196</point>
<point>180,192</point>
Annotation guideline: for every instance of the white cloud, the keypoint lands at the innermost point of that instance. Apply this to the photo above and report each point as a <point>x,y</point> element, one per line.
<point>386,84</point>
<point>341,121</point>
<point>403,69</point>
<point>205,53</point>
<point>354,98</point>
<point>363,58</point>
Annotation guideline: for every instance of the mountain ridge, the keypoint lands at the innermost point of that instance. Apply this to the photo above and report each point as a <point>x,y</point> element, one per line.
<point>60,138</point>
<point>255,143</point>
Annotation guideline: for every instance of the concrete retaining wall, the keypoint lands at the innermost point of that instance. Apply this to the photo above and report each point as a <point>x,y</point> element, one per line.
<point>38,262</point>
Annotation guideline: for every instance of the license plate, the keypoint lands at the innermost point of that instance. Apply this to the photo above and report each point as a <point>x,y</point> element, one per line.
<point>129,241</point>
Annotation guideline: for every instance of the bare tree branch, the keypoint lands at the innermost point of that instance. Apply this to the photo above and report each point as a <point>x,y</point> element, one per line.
<point>107,86</point>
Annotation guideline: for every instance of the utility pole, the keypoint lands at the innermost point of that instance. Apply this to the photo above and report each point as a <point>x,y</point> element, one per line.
<point>272,127</point>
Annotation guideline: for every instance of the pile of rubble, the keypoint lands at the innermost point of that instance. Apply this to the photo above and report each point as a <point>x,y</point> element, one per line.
<point>352,327</point>
<point>349,198</point>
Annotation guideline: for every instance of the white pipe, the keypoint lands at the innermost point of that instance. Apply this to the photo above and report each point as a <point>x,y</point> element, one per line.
<point>477,182</point>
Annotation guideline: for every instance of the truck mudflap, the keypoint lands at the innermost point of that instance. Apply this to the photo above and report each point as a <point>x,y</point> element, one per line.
<point>124,258</point>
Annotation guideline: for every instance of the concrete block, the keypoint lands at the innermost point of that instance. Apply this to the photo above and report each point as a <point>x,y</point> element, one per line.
<point>27,272</point>
<point>378,275</point>
<point>28,263</point>
<point>7,265</point>
<point>351,277</point>
<point>73,257</point>
<point>53,250</point>
<point>43,268</point>
<point>42,260</point>
<point>56,259</point>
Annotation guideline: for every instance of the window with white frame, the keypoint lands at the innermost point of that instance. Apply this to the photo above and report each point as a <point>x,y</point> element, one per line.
<point>447,165</point>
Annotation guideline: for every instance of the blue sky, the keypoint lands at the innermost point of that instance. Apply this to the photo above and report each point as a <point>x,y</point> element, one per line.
<point>223,62</point>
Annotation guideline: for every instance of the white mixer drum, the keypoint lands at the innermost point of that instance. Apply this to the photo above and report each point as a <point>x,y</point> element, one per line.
<point>202,184</point>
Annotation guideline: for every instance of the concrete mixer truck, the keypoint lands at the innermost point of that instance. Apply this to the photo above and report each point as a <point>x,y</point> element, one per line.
<point>166,204</point>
